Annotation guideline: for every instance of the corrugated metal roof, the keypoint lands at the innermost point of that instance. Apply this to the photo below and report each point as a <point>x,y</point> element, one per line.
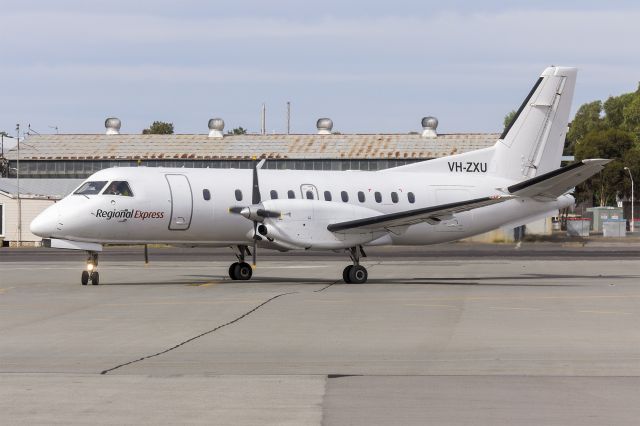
<point>237,147</point>
<point>39,188</point>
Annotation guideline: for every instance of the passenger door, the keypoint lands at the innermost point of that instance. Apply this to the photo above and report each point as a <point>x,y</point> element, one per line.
<point>309,192</point>
<point>181,202</point>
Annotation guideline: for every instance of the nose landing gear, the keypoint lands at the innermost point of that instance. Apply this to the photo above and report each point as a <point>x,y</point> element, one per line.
<point>356,273</point>
<point>91,273</point>
<point>241,270</point>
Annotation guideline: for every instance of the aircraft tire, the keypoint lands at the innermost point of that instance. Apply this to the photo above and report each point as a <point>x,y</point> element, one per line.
<point>345,274</point>
<point>358,274</point>
<point>84,278</point>
<point>95,278</point>
<point>232,271</point>
<point>243,271</point>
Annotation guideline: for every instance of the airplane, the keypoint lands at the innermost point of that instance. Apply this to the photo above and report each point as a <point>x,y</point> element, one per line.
<point>514,182</point>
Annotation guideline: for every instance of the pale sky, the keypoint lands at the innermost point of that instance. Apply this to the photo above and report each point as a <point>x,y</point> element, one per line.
<point>372,66</point>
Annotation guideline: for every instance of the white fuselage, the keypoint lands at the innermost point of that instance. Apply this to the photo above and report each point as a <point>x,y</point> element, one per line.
<point>168,205</point>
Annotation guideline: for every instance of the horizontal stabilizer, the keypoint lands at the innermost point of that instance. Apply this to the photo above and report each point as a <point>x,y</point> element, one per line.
<point>433,215</point>
<point>553,184</point>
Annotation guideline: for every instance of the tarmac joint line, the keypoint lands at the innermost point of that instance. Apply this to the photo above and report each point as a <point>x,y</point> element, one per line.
<point>213,330</point>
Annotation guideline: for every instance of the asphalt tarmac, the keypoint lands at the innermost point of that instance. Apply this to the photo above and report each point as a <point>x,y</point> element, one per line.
<point>459,334</point>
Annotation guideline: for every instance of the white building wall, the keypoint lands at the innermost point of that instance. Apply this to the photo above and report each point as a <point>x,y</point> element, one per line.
<point>30,209</point>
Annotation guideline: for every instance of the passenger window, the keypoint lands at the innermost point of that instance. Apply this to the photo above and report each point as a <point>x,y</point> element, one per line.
<point>361,196</point>
<point>291,195</point>
<point>309,195</point>
<point>394,197</point>
<point>91,188</point>
<point>378,197</point>
<point>411,197</point>
<point>206,194</point>
<point>327,195</point>
<point>238,195</point>
<point>274,194</point>
<point>118,187</point>
<point>345,196</point>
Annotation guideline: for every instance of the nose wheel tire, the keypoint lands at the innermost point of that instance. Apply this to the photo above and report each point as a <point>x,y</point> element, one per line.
<point>358,274</point>
<point>95,278</point>
<point>84,278</point>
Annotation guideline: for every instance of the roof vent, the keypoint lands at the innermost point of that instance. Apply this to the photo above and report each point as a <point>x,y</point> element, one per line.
<point>324,125</point>
<point>429,126</point>
<point>216,126</point>
<point>112,124</point>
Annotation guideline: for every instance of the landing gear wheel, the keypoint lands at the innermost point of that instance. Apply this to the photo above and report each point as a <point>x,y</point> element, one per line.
<point>243,271</point>
<point>358,274</point>
<point>95,278</point>
<point>232,271</point>
<point>345,274</point>
<point>84,278</point>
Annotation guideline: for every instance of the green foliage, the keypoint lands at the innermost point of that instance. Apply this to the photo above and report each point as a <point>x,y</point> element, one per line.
<point>615,144</point>
<point>509,118</point>
<point>614,107</point>
<point>159,128</point>
<point>237,131</point>
<point>587,119</point>
<point>631,114</point>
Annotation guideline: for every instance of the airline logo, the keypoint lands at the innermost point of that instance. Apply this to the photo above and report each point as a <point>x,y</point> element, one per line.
<point>128,214</point>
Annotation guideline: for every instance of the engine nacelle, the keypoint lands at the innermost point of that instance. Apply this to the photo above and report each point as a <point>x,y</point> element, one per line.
<point>303,224</point>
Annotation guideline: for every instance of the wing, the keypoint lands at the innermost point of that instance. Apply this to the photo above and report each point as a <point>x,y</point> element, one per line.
<point>550,186</point>
<point>432,215</point>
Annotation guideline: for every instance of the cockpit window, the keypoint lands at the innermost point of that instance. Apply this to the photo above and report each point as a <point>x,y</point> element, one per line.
<point>118,187</point>
<point>91,188</point>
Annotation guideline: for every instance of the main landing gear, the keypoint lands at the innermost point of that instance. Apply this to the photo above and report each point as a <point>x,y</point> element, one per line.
<point>356,273</point>
<point>91,273</point>
<point>241,270</point>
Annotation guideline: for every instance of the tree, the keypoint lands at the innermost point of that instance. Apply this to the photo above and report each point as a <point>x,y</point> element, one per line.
<point>237,131</point>
<point>631,114</point>
<point>509,118</point>
<point>586,120</point>
<point>613,144</point>
<point>159,128</point>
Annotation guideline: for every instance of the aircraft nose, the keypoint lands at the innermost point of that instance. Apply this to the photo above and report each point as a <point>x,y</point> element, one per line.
<point>44,225</point>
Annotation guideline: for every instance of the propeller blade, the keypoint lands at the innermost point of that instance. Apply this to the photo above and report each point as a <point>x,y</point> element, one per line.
<point>255,193</point>
<point>255,241</point>
<point>267,213</point>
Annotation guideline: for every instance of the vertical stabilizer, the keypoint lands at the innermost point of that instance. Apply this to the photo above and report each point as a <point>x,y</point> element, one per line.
<point>532,143</point>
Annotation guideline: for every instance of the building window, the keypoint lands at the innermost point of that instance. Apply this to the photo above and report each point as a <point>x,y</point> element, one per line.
<point>361,196</point>
<point>394,197</point>
<point>206,194</point>
<point>378,197</point>
<point>238,195</point>
<point>345,196</point>
<point>327,195</point>
<point>274,194</point>
<point>411,197</point>
<point>290,194</point>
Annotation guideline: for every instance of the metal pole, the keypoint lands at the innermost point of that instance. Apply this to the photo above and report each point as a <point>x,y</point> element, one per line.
<point>632,227</point>
<point>288,117</point>
<point>263,119</point>
<point>18,186</point>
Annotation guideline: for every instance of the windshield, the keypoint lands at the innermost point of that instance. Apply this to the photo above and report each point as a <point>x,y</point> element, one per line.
<point>91,188</point>
<point>118,187</point>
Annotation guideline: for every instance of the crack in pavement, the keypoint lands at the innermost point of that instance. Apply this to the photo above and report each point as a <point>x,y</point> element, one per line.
<point>107,371</point>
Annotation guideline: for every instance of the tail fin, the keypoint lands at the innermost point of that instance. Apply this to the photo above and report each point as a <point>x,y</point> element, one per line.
<point>532,143</point>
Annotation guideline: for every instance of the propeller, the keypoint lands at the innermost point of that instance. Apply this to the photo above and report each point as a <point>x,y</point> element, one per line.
<point>256,211</point>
